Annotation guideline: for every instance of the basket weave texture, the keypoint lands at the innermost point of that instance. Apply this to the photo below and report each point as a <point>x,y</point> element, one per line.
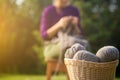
<point>85,70</point>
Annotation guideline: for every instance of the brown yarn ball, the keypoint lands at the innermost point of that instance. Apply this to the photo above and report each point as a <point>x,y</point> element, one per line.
<point>72,51</point>
<point>86,55</point>
<point>108,53</point>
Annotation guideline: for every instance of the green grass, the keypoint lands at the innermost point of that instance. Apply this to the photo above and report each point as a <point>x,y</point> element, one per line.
<point>32,77</point>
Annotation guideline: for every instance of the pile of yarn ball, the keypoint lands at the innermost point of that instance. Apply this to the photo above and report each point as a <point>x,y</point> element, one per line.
<point>104,54</point>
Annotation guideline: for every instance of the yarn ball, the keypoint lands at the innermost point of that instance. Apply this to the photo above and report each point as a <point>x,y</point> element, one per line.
<point>72,51</point>
<point>76,47</point>
<point>108,53</point>
<point>86,55</point>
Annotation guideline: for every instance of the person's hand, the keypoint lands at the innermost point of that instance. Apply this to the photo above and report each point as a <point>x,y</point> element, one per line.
<point>64,21</point>
<point>75,21</point>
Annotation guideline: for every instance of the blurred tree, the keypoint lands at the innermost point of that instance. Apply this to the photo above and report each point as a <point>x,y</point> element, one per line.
<point>17,23</point>
<point>100,20</point>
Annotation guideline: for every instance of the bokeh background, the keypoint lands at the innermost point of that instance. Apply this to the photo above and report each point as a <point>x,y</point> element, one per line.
<point>21,47</point>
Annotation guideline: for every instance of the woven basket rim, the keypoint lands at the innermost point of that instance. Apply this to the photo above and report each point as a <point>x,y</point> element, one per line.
<point>87,70</point>
<point>90,62</point>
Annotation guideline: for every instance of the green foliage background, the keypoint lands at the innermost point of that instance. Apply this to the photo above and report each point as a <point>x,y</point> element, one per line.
<point>21,47</point>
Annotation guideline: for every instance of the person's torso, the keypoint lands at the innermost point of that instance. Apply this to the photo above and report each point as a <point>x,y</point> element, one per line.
<point>55,16</point>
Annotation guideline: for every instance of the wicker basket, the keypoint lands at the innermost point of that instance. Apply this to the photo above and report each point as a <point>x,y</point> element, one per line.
<point>85,70</point>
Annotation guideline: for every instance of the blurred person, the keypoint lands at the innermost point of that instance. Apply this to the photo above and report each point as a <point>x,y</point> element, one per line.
<point>54,18</point>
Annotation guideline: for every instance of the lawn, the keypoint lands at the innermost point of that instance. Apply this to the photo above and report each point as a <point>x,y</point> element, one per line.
<point>32,77</point>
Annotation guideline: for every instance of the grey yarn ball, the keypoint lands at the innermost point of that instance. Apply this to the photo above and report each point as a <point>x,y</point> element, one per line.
<point>76,47</point>
<point>86,55</point>
<point>72,51</point>
<point>69,53</point>
<point>108,53</point>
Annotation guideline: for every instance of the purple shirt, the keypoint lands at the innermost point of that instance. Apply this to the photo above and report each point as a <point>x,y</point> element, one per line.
<point>50,17</point>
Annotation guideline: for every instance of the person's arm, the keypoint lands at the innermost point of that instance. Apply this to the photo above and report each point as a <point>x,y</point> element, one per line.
<point>47,30</point>
<point>76,22</point>
<point>45,23</point>
<point>79,23</point>
<point>62,23</point>
<point>52,31</point>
